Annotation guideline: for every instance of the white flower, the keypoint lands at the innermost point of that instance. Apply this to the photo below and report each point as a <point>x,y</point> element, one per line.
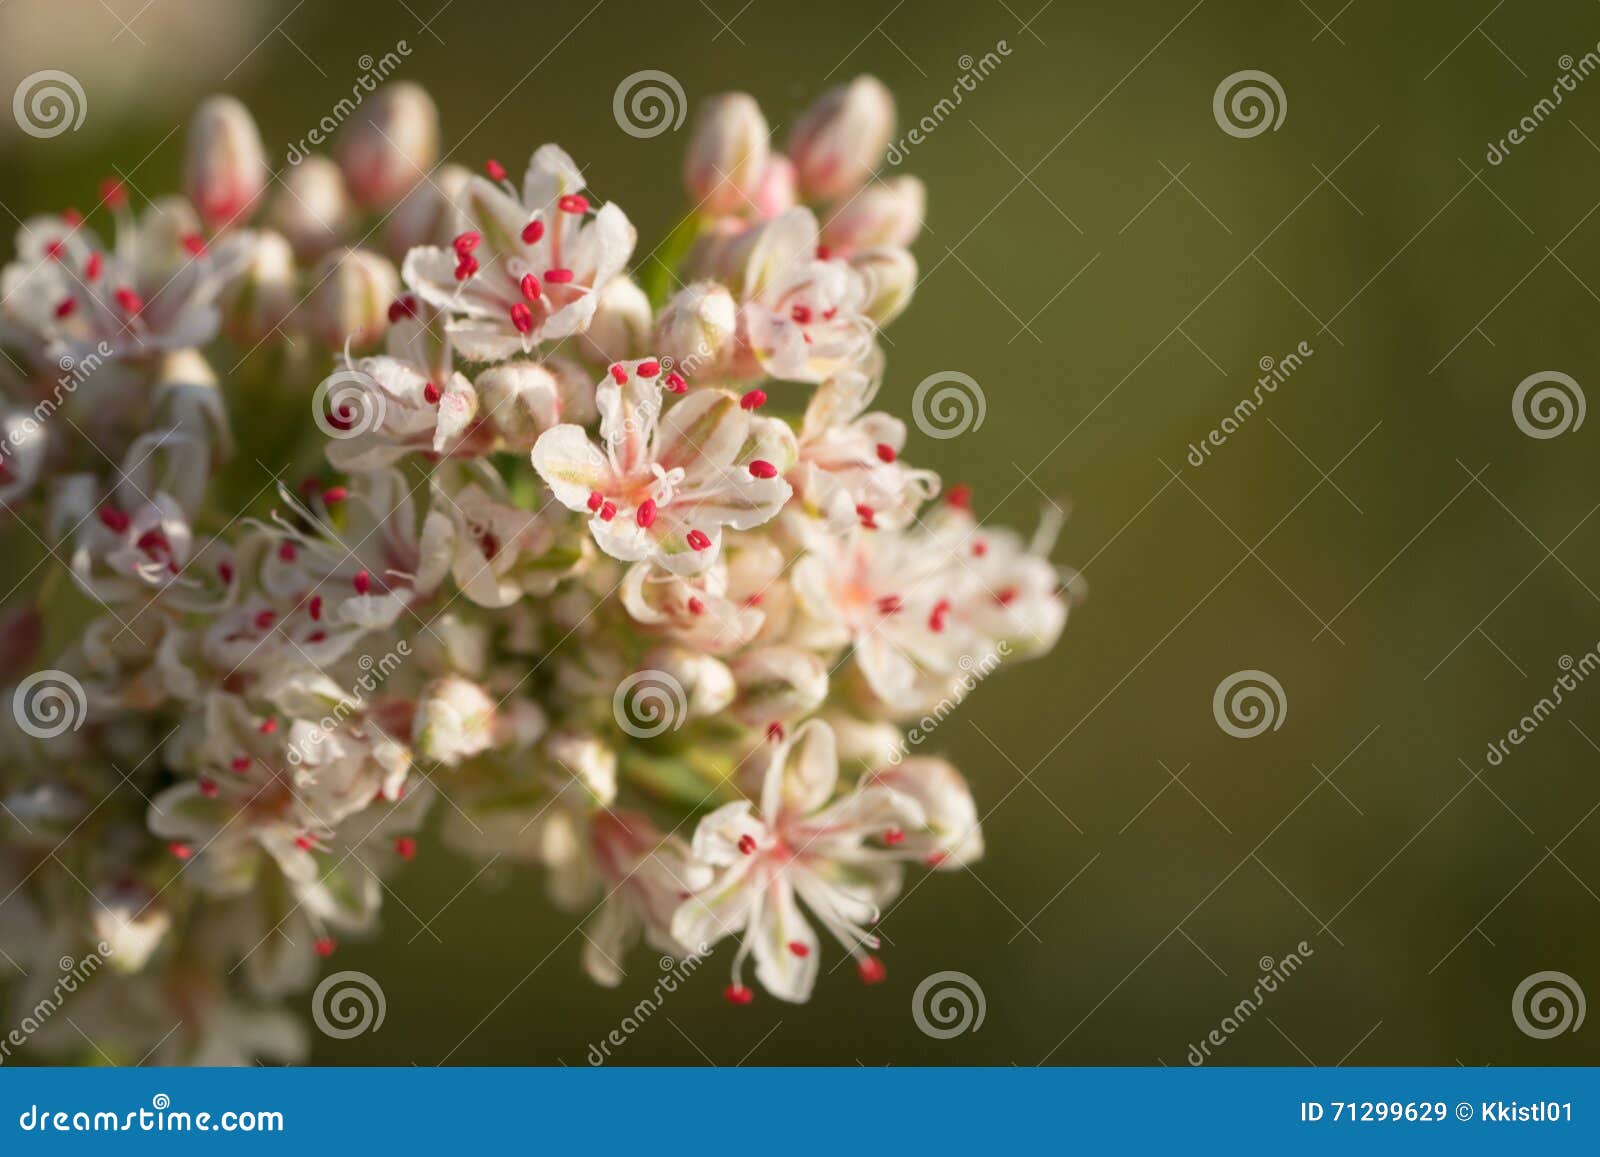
<point>647,876</point>
<point>526,271</point>
<point>662,485</point>
<point>836,855</point>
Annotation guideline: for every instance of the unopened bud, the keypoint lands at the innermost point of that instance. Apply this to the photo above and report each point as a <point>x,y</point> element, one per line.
<point>351,296</point>
<point>224,164</point>
<point>312,208</point>
<point>523,399</point>
<point>884,213</point>
<point>891,275</point>
<point>454,721</point>
<point>390,144</point>
<point>428,215</point>
<point>841,138</point>
<point>698,328</point>
<point>263,295</point>
<point>776,192</point>
<point>620,327</point>
<point>727,154</point>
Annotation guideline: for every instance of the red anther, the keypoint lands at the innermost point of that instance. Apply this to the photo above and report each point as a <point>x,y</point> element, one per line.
<point>316,636</point>
<point>522,318</point>
<point>889,605</point>
<point>675,383</point>
<point>696,607</point>
<point>747,844</point>
<point>753,400</point>
<point>959,497</point>
<point>208,788</point>
<point>195,244</point>
<point>129,300</point>
<point>304,842</point>
<point>980,548</point>
<point>936,616</point>
<point>823,253</point>
<point>557,276</point>
<point>362,581</point>
<point>698,540</point>
<point>1006,597</point>
<point>65,307</point>
<point>92,266</point>
<point>775,732</point>
<point>737,994</point>
<point>618,374</point>
<point>72,217</point>
<point>239,764</point>
<point>761,468</point>
<point>286,551</point>
<point>648,369</point>
<point>314,608</point>
<point>334,495</point>
<point>265,619</point>
<point>466,267</point>
<point>894,836</point>
<point>799,949</point>
<point>405,847</point>
<point>885,452</point>
<point>465,243</point>
<point>325,945</point>
<point>112,193</point>
<point>868,516</point>
<point>529,286</point>
<point>496,171</point>
<point>595,499</point>
<point>608,510</point>
<point>225,571</point>
<point>871,970</point>
<point>431,394</point>
<point>54,248</point>
<point>645,516</point>
<point>182,851</point>
<point>801,314</point>
<point>573,203</point>
<point>267,726</point>
<point>533,231</point>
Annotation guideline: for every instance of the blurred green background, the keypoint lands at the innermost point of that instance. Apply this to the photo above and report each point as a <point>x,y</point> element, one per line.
<point>1111,267</point>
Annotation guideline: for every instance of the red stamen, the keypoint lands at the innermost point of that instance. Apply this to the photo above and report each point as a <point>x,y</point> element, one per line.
<point>325,945</point>
<point>737,994</point>
<point>618,374</point>
<point>286,551</point>
<point>182,851</point>
<point>573,203</point>
<point>406,847</point>
<point>675,383</point>
<point>608,510</point>
<point>871,970</point>
<point>754,400</point>
<point>648,369</point>
<point>529,286</point>
<point>698,540</point>
<point>195,244</point>
<point>130,301</point>
<point>265,619</point>
<point>431,394</point>
<point>557,276</point>
<point>959,497</point>
<point>799,949</point>
<point>334,495</point>
<point>314,607</point>
<point>496,171</point>
<point>761,468</point>
<point>894,836</point>
<point>465,243</point>
<point>696,607</point>
<point>362,581</point>
<point>208,788</point>
<point>645,516</point>
<point>92,266</point>
<point>533,231</point>
<point>522,318</point>
<point>775,732</point>
<point>67,305</point>
<point>595,499</point>
<point>885,452</point>
<point>747,844</point>
<point>267,726</point>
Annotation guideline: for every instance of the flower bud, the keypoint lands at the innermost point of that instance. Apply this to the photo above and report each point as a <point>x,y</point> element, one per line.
<point>224,164</point>
<point>351,296</point>
<point>698,328</point>
<point>390,144</point>
<point>592,763</point>
<point>706,681</point>
<point>778,683</point>
<point>428,215</point>
<point>776,192</point>
<point>127,919</point>
<point>454,721</point>
<point>727,155</point>
<point>523,399</point>
<point>620,328</point>
<point>891,276</point>
<point>312,209</point>
<point>841,138</point>
<point>954,835</point>
<point>263,295</point>
<point>884,213</point>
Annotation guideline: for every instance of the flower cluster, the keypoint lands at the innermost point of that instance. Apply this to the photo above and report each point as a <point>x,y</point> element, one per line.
<point>621,571</point>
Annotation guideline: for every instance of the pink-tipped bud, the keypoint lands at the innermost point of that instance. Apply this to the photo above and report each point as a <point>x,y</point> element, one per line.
<point>312,210</point>
<point>264,294</point>
<point>841,138</point>
<point>351,300</point>
<point>887,212</point>
<point>428,215</point>
<point>224,164</point>
<point>727,155</point>
<point>390,144</point>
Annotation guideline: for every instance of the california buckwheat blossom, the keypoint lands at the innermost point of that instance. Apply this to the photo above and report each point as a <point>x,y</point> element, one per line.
<point>623,577</point>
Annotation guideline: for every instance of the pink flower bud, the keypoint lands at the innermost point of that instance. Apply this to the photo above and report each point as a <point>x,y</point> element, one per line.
<point>428,215</point>
<point>884,213</point>
<point>353,289</point>
<point>776,193</point>
<point>312,209</point>
<point>390,144</point>
<point>727,155</point>
<point>224,165</point>
<point>841,138</point>
<point>263,295</point>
